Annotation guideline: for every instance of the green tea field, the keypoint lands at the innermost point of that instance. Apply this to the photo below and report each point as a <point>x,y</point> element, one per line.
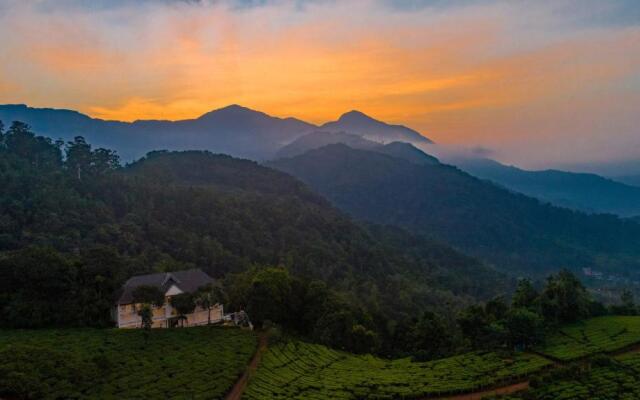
<point>299,370</point>
<point>194,363</point>
<point>592,359</point>
<point>595,335</point>
<point>615,378</point>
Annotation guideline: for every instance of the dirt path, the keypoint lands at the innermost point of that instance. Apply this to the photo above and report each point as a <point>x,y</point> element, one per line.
<point>634,348</point>
<point>239,387</point>
<point>516,387</point>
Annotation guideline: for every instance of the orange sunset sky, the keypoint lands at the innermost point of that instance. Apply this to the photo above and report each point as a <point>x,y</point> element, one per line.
<point>536,82</point>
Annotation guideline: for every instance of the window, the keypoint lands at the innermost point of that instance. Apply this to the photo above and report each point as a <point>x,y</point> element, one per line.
<point>133,308</point>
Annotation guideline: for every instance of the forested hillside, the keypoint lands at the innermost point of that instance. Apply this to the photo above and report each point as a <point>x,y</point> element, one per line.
<point>517,233</point>
<point>75,225</point>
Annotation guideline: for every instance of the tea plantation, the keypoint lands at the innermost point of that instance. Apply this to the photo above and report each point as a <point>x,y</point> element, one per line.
<point>616,378</point>
<point>299,370</point>
<point>595,335</point>
<point>204,363</point>
<point>194,363</point>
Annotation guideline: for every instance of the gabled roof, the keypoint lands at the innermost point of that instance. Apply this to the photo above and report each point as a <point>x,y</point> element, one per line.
<point>187,281</point>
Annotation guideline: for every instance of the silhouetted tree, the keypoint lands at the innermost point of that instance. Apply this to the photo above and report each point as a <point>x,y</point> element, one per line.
<point>78,157</point>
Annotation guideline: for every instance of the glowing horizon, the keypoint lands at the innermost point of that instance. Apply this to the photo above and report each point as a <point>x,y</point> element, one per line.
<point>536,82</point>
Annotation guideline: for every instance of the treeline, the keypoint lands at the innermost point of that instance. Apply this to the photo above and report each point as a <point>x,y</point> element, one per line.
<point>75,224</point>
<point>532,313</point>
<point>518,322</point>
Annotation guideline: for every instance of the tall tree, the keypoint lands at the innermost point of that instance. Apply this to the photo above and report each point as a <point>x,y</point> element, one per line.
<point>564,298</point>
<point>146,319</point>
<point>79,157</point>
<point>524,327</point>
<point>269,295</point>
<point>39,151</point>
<point>525,295</point>
<point>104,160</point>
<point>184,304</point>
<point>431,337</point>
<point>208,297</point>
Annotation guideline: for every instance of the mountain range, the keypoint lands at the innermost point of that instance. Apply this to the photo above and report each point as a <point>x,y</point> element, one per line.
<point>516,233</point>
<point>398,184</point>
<point>585,192</point>
<point>234,130</point>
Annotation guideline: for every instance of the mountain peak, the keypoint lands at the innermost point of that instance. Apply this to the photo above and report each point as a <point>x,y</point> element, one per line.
<point>231,110</point>
<point>355,115</point>
<point>370,128</point>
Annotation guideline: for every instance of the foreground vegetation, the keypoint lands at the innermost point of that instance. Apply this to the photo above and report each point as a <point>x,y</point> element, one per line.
<point>299,370</point>
<point>592,336</point>
<point>601,378</point>
<point>204,363</point>
<point>194,363</point>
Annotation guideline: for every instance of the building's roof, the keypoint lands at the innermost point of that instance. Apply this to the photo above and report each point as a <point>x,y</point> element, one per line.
<point>187,281</point>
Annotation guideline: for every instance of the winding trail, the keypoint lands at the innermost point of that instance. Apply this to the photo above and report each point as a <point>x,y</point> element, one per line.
<point>239,387</point>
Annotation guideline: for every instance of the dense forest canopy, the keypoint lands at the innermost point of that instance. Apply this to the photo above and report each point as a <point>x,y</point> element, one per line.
<point>518,234</point>
<point>76,224</point>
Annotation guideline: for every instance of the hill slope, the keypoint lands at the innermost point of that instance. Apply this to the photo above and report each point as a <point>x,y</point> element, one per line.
<point>633,180</point>
<point>70,239</point>
<point>516,232</point>
<point>584,192</point>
